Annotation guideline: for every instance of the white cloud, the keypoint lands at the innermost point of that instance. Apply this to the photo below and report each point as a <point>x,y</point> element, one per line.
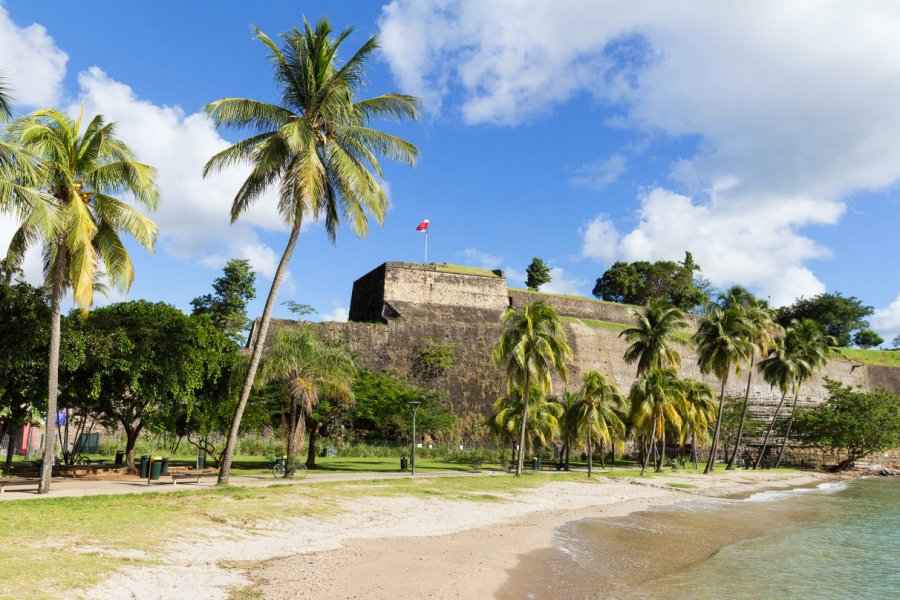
<point>788,110</point>
<point>338,312</point>
<point>482,260</point>
<point>193,215</point>
<point>31,62</point>
<point>563,283</point>
<point>600,239</point>
<point>514,276</point>
<point>599,174</point>
<point>886,321</point>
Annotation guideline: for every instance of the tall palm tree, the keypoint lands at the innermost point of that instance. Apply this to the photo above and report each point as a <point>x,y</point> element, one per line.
<point>19,175</point>
<point>568,425</point>
<point>655,336</point>
<point>761,332</point>
<point>699,413</point>
<point>316,147</point>
<point>594,412</point>
<point>657,399</point>
<point>543,421</point>
<point>781,368</point>
<point>80,171</point>
<point>723,343</point>
<point>309,366</point>
<point>815,347</point>
<point>532,346</point>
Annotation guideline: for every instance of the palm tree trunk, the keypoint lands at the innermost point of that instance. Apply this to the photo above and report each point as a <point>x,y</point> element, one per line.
<point>711,461</point>
<point>602,452</point>
<point>568,448</point>
<point>521,460</point>
<point>740,432</point>
<point>53,370</point>
<point>662,451</point>
<point>589,452</point>
<point>313,427</point>
<point>228,453</point>
<point>647,454</point>
<point>787,433</point>
<point>292,434</point>
<point>762,450</point>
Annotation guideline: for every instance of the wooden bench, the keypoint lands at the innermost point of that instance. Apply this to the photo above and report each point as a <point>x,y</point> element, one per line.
<point>186,476</point>
<point>19,482</point>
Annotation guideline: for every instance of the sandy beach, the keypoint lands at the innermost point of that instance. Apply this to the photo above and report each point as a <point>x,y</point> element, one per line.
<point>397,547</point>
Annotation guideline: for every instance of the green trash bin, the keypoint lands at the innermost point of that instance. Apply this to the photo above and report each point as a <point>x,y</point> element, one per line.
<point>145,465</point>
<point>536,464</point>
<point>201,460</point>
<point>165,466</point>
<point>403,463</point>
<point>155,467</point>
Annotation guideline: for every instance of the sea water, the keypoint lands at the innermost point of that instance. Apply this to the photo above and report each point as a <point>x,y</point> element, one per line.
<point>835,540</point>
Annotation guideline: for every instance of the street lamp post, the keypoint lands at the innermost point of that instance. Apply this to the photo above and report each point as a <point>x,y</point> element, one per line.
<point>412,456</point>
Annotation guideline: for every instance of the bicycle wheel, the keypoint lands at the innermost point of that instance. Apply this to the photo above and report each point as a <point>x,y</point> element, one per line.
<point>278,471</point>
<point>299,471</point>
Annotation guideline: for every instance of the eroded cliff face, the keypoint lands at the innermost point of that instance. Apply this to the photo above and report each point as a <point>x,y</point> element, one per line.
<point>410,306</point>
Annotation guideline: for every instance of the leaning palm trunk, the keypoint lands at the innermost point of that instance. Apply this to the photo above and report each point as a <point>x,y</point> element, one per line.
<point>762,450</point>
<point>520,462</point>
<point>53,372</point>
<point>228,454</point>
<point>590,451</point>
<point>787,433</point>
<point>711,461</point>
<point>740,432</point>
<point>646,450</point>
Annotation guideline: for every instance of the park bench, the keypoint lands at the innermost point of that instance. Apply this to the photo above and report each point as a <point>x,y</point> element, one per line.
<point>19,482</point>
<point>186,476</point>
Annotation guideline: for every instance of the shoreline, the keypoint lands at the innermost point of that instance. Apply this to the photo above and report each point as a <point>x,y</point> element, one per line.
<point>475,548</point>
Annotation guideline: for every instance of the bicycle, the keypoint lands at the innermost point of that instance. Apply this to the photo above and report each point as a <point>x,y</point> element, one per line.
<point>281,471</point>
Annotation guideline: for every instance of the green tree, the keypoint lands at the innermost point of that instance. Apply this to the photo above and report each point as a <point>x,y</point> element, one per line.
<point>853,422</point>
<point>654,338</point>
<point>723,341</point>
<point>657,399</point>
<point>896,341</point>
<point>5,100</point>
<point>532,346</point>
<point>139,364</point>
<point>227,307</point>
<point>309,366</point>
<point>79,222</point>
<point>640,282</point>
<point>316,146</point>
<point>568,425</point>
<point>866,338</point>
<point>839,316</point>
<point>24,339</point>
<point>537,274</point>
<point>781,368</point>
<point>699,412</point>
<point>542,421</point>
<point>298,309</point>
<point>381,406</point>
<point>594,412</point>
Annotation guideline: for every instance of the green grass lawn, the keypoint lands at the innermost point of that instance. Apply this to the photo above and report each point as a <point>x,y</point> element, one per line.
<point>881,358</point>
<point>595,323</point>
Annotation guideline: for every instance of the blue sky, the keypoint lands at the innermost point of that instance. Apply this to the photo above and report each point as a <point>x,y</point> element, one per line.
<point>763,140</point>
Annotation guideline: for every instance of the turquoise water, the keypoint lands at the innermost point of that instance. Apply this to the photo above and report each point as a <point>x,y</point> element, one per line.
<point>838,540</point>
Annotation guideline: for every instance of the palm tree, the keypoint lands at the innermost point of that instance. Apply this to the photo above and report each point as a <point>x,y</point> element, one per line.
<point>723,343</point>
<point>654,337</point>
<point>815,346</point>
<point>543,421</point>
<point>309,366</point>
<point>699,412</point>
<point>5,100</point>
<point>781,368</point>
<point>80,169</point>
<point>657,398</point>
<point>594,412</point>
<point>532,347</point>
<point>568,425</point>
<point>761,333</point>
<point>316,147</point>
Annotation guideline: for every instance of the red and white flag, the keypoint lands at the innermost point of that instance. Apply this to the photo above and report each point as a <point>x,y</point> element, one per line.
<point>423,226</point>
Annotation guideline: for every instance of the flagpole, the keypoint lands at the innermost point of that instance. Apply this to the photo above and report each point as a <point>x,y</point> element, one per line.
<point>426,245</point>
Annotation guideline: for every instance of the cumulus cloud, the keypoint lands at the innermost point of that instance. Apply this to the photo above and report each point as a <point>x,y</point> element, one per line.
<point>193,214</point>
<point>480,259</point>
<point>338,312</point>
<point>563,283</point>
<point>789,110</point>
<point>31,62</point>
<point>886,321</point>
<point>599,174</point>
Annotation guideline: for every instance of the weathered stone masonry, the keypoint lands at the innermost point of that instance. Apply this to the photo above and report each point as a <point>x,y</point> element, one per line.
<point>398,307</point>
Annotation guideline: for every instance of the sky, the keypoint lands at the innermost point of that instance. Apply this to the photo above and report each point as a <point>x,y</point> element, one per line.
<point>762,137</point>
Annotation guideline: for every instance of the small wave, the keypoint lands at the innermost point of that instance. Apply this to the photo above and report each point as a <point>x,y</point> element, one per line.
<point>769,495</point>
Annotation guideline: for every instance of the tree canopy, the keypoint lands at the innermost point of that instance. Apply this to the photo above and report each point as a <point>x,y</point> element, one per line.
<point>866,338</point>
<point>640,282</point>
<point>537,274</point>
<point>839,316</point>
<point>227,306</point>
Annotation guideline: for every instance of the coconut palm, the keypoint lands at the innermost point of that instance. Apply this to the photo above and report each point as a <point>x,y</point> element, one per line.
<point>315,147</point>
<point>657,399</point>
<point>80,169</point>
<point>761,333</point>
<point>19,176</point>
<point>815,347</point>
<point>568,425</point>
<point>655,337</point>
<point>723,343</point>
<point>781,368</point>
<point>594,412</point>
<point>309,366</point>
<point>532,346</point>
<point>5,100</point>
<point>543,421</point>
<point>699,413</point>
